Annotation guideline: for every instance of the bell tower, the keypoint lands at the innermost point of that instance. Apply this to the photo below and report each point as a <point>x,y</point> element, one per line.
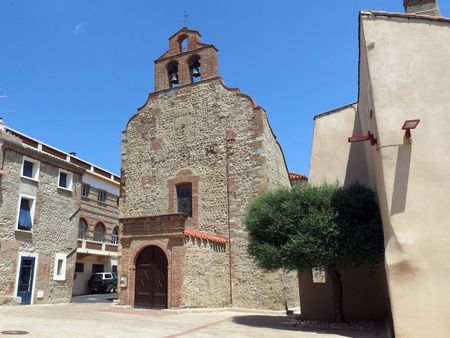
<point>187,61</point>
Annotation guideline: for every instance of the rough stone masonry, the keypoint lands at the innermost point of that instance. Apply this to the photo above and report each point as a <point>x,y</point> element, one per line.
<point>54,227</point>
<point>219,141</point>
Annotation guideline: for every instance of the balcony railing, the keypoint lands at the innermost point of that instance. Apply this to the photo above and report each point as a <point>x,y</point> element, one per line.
<point>96,241</point>
<point>98,237</point>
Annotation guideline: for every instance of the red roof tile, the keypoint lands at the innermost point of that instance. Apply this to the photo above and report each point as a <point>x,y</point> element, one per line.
<point>297,177</point>
<point>205,235</point>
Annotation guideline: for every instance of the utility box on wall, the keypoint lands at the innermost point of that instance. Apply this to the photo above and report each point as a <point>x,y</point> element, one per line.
<point>123,281</point>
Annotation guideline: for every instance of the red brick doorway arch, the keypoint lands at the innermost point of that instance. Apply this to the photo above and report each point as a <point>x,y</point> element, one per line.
<point>151,278</point>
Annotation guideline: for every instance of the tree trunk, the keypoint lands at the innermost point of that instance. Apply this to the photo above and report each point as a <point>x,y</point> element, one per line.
<point>338,292</point>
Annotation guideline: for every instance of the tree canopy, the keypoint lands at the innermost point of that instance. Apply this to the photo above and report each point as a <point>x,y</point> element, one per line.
<point>310,226</point>
<point>316,226</point>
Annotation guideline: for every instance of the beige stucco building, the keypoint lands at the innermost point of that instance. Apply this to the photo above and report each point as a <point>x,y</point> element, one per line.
<point>404,75</point>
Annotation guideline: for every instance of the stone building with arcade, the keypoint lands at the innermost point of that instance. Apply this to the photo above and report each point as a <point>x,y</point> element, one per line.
<point>58,221</point>
<point>193,156</point>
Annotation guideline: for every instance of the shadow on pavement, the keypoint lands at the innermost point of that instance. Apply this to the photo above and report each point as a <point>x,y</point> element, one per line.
<point>95,298</point>
<point>284,323</point>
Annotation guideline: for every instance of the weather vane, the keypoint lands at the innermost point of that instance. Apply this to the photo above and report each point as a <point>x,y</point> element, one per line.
<point>186,18</point>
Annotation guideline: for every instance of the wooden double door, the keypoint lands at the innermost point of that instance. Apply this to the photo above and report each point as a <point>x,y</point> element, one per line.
<point>151,279</point>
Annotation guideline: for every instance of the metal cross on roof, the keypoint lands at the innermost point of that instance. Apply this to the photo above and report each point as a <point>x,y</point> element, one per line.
<point>186,18</point>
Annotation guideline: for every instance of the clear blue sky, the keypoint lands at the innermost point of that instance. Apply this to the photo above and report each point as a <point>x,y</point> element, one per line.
<point>73,72</point>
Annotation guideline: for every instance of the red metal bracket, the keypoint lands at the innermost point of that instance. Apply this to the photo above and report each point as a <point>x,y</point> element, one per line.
<point>368,137</point>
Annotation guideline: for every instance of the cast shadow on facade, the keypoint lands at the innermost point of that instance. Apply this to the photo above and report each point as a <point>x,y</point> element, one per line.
<point>356,169</point>
<point>199,242</point>
<point>401,179</point>
<point>365,288</point>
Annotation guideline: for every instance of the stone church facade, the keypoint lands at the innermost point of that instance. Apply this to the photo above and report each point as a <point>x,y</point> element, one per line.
<point>193,157</point>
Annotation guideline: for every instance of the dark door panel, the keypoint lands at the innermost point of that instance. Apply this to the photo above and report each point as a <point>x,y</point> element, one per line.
<point>96,268</point>
<point>151,279</point>
<point>26,274</point>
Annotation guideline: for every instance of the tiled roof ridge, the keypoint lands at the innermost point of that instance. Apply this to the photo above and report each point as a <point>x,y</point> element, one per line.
<point>296,176</point>
<point>406,15</point>
<point>205,235</point>
<point>65,156</point>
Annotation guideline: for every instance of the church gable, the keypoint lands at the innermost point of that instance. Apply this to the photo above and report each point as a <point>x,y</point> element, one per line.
<point>199,149</point>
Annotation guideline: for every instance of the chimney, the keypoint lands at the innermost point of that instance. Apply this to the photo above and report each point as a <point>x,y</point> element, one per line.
<point>2,124</point>
<point>422,7</point>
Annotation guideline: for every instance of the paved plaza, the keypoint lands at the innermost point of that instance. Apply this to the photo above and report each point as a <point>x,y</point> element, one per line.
<point>95,298</point>
<point>105,320</point>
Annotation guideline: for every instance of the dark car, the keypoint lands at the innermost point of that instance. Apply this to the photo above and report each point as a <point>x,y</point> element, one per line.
<point>103,282</point>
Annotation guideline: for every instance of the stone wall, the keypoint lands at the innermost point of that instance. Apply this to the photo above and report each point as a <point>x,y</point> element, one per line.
<point>175,254</point>
<point>175,132</point>
<point>277,173</point>
<point>203,285</point>
<point>54,228</point>
<point>94,212</point>
<point>254,164</point>
<point>215,135</point>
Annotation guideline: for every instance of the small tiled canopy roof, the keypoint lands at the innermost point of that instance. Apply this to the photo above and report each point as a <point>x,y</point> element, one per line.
<point>205,235</point>
<point>297,177</point>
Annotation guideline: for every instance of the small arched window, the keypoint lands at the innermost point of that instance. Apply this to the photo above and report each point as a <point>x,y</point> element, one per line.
<point>99,233</point>
<point>115,235</point>
<point>82,229</point>
<point>172,73</point>
<point>195,68</point>
<point>183,42</point>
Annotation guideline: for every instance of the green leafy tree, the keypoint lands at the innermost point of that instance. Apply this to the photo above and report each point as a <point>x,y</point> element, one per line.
<point>316,226</point>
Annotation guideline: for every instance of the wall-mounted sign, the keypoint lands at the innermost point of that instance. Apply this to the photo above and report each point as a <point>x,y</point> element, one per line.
<point>123,281</point>
<point>319,275</point>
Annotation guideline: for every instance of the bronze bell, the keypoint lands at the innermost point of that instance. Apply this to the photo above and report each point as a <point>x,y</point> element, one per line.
<point>173,78</point>
<point>196,72</point>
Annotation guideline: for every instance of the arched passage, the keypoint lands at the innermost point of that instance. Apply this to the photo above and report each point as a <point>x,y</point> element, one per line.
<point>151,278</point>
